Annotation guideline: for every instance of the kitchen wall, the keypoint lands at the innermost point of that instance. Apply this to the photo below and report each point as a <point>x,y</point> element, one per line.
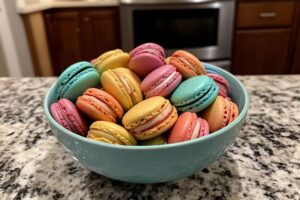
<point>14,41</point>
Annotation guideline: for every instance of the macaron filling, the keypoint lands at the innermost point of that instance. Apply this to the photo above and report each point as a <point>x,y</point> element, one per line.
<point>196,130</point>
<point>188,65</point>
<point>154,121</point>
<point>97,104</point>
<point>100,134</point>
<point>129,90</point>
<point>162,83</point>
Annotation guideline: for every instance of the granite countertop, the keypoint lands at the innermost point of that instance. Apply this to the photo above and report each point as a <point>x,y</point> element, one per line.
<point>263,163</point>
<point>30,6</point>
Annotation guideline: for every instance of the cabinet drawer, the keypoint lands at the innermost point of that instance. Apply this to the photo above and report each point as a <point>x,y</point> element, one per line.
<point>265,14</point>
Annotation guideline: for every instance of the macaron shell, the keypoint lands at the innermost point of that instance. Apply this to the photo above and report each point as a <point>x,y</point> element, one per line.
<point>200,69</point>
<point>204,127</point>
<point>111,60</point>
<point>113,85</point>
<point>161,82</point>
<point>160,128</point>
<point>56,112</point>
<point>143,64</point>
<point>158,140</point>
<point>79,83</point>
<point>217,114</point>
<point>112,129</point>
<point>194,94</point>
<point>183,128</point>
<point>92,108</point>
<point>107,99</point>
<point>68,74</point>
<point>144,111</point>
<point>147,46</point>
<point>234,111</point>
<point>69,115</point>
<point>182,61</point>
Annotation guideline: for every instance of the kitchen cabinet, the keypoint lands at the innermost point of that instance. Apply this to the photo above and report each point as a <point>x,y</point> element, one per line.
<point>80,34</point>
<point>63,29</point>
<point>263,37</point>
<point>296,55</point>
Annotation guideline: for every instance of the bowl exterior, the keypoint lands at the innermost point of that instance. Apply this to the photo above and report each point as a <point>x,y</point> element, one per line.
<point>157,163</point>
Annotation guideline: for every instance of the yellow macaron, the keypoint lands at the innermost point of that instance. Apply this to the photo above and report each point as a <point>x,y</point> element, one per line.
<point>111,60</point>
<point>150,118</point>
<point>109,132</point>
<point>124,85</point>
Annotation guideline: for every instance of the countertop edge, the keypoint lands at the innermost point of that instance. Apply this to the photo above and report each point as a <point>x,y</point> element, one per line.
<point>27,9</point>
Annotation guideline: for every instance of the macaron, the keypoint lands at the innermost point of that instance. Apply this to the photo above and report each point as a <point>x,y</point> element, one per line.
<point>220,113</point>
<point>146,58</point>
<point>111,60</point>
<point>188,127</point>
<point>99,105</point>
<point>123,85</point>
<point>158,140</point>
<point>221,82</point>
<point>111,133</point>
<point>194,94</point>
<point>66,114</point>
<point>211,69</point>
<point>161,82</point>
<point>187,64</point>
<point>75,80</point>
<point>150,118</point>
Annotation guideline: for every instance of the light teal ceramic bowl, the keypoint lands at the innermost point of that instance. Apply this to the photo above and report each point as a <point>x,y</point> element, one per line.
<point>153,164</point>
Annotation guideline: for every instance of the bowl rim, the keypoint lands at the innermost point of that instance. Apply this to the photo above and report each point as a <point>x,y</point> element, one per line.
<point>241,115</point>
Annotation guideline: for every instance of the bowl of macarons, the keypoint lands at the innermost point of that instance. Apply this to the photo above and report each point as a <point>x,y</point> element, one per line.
<point>142,117</point>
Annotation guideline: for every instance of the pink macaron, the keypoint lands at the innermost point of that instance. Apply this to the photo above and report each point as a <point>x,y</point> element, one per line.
<point>161,82</point>
<point>66,114</point>
<point>187,127</point>
<point>222,84</point>
<point>146,58</point>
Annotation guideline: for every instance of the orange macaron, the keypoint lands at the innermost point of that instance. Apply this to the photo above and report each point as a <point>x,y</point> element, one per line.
<point>97,104</point>
<point>220,113</point>
<point>187,64</point>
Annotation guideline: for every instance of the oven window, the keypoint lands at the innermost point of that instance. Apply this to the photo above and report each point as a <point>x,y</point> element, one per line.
<point>173,29</point>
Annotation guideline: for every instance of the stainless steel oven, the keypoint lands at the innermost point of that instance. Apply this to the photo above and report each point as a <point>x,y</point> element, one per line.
<point>202,27</point>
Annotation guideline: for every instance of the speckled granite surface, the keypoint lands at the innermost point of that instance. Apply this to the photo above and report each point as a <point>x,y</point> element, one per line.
<point>263,163</point>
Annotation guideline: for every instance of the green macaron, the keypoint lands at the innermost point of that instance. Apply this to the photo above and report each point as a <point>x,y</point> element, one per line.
<point>194,94</point>
<point>75,80</point>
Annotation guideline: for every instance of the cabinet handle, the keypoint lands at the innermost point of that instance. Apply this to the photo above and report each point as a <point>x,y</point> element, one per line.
<point>86,19</point>
<point>268,14</point>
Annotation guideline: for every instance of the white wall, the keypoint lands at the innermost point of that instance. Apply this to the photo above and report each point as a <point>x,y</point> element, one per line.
<point>14,41</point>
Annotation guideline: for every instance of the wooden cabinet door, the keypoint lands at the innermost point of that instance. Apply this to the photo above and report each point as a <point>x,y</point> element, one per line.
<point>63,28</point>
<point>101,31</point>
<point>296,55</point>
<point>261,51</point>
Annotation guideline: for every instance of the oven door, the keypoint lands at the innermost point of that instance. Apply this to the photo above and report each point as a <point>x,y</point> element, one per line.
<point>204,29</point>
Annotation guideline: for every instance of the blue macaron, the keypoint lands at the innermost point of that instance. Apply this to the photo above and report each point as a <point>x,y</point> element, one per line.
<point>194,94</point>
<point>75,80</point>
<point>211,69</point>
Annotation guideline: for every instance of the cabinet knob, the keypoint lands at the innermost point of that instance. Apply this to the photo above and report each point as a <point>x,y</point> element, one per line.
<point>86,19</point>
<point>77,30</point>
